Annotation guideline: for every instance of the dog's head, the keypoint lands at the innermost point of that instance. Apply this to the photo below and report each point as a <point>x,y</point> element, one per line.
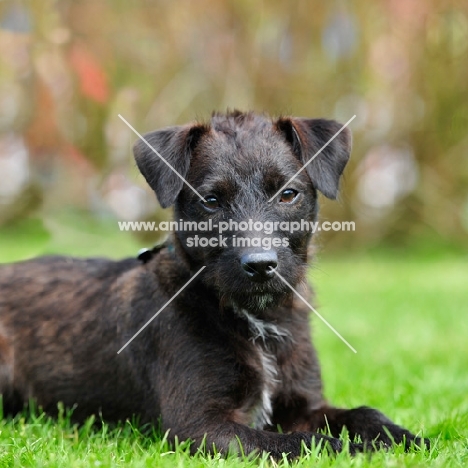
<point>247,169</point>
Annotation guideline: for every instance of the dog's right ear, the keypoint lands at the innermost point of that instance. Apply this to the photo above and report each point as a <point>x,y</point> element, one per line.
<point>175,145</point>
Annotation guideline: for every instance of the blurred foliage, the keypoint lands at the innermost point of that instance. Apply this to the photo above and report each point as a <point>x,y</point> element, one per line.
<point>69,67</point>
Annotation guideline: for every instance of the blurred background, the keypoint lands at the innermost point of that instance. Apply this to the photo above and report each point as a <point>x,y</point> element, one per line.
<point>396,287</point>
<point>68,67</point>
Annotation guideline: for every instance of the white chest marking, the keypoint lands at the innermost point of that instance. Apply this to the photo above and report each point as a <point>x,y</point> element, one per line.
<point>266,332</point>
<point>263,329</point>
<point>263,411</point>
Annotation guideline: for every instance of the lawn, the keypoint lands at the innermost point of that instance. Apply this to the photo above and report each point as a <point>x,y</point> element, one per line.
<point>404,314</point>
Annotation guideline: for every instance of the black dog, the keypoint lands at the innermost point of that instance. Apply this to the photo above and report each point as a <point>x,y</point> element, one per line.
<point>230,358</point>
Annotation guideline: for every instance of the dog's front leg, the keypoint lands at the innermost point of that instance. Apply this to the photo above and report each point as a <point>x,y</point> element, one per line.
<point>211,417</point>
<point>370,425</point>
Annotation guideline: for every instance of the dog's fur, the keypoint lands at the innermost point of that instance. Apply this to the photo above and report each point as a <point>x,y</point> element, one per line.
<point>230,358</point>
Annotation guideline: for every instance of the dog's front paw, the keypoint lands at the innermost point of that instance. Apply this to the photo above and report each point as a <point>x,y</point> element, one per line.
<point>378,432</point>
<point>391,434</point>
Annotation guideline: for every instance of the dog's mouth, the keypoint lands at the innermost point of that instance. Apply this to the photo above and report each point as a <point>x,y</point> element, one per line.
<point>271,290</point>
<point>254,300</point>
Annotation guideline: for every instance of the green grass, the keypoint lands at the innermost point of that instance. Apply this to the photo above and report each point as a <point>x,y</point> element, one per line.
<point>406,316</point>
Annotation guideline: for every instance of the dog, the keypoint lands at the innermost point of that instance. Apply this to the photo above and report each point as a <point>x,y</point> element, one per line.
<point>229,360</point>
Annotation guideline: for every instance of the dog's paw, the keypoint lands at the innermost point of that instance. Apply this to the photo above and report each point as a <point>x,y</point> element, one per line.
<point>378,432</point>
<point>393,434</point>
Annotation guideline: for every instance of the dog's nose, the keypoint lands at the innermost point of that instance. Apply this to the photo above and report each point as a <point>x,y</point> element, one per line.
<point>259,266</point>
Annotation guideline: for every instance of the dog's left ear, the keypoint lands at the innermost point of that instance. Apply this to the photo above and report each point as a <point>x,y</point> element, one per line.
<point>306,137</point>
<point>175,145</point>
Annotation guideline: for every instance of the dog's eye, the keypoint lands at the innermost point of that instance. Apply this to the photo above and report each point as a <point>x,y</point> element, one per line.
<point>211,203</point>
<point>288,196</point>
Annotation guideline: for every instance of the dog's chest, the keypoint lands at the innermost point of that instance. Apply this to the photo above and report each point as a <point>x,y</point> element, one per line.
<point>262,409</point>
<point>265,337</point>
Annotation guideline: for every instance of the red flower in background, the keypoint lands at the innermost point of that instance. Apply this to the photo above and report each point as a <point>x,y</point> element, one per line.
<point>91,75</point>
